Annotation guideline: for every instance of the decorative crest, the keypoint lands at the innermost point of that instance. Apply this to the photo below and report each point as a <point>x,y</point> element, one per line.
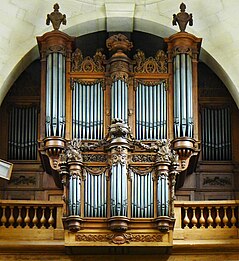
<point>56,18</point>
<point>87,64</point>
<point>182,18</point>
<point>151,65</point>
<point>118,43</point>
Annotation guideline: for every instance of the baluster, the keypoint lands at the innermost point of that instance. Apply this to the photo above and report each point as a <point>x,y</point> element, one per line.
<point>27,218</point>
<point>186,220</point>
<point>19,218</point>
<point>35,219</point>
<point>51,219</point>
<point>11,218</point>
<point>233,218</point>
<point>202,219</point>
<point>225,218</point>
<point>4,218</point>
<point>43,219</point>
<point>210,219</point>
<point>194,219</point>
<point>218,219</point>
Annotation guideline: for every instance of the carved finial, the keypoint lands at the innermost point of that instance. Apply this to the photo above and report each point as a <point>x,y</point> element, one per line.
<point>119,43</point>
<point>56,18</point>
<point>182,18</point>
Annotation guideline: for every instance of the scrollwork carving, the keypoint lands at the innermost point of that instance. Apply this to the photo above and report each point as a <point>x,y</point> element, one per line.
<point>119,238</point>
<point>88,64</point>
<point>119,154</point>
<point>151,65</point>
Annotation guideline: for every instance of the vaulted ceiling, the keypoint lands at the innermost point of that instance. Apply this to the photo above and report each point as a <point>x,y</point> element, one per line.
<point>215,21</point>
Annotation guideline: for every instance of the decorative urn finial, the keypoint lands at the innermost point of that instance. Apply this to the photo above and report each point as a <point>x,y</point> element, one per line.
<point>182,18</point>
<point>56,18</point>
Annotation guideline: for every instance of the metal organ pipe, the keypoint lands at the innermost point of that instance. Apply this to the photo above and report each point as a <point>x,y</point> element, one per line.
<point>87,111</point>
<point>142,195</point>
<point>151,114</point>
<point>119,100</point>
<point>55,95</point>
<point>95,195</point>
<point>118,190</point>
<point>23,127</point>
<point>183,113</point>
<point>162,196</point>
<point>216,134</point>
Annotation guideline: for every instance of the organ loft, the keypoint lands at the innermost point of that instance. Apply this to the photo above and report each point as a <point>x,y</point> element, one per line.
<point>120,149</point>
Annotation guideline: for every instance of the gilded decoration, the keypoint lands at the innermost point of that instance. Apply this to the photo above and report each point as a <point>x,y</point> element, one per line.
<point>151,65</point>
<point>182,18</point>
<point>56,18</point>
<point>88,64</point>
<point>118,238</point>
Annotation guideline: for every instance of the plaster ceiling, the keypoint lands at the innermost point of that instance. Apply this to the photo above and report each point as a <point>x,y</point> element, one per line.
<point>215,21</point>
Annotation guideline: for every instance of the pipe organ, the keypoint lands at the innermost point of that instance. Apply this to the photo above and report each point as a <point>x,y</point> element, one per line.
<point>118,134</point>
<point>22,139</point>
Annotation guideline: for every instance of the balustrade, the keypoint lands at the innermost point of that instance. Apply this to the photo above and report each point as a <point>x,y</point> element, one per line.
<point>209,214</point>
<point>29,214</point>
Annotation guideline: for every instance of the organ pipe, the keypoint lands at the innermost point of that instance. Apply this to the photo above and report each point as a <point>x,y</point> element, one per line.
<point>118,190</point>
<point>183,112</point>
<point>95,195</point>
<point>142,196</point>
<point>55,95</point>
<point>216,129</point>
<point>119,100</point>
<point>23,126</point>
<point>87,111</point>
<point>151,112</point>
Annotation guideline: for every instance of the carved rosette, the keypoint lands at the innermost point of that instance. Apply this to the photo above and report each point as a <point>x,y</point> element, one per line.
<point>151,65</point>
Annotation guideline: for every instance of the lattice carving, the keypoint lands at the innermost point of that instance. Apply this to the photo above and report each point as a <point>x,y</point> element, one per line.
<point>88,64</point>
<point>151,65</point>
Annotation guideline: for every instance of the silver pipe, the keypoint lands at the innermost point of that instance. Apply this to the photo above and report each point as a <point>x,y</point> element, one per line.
<point>64,94</point>
<point>183,94</point>
<point>165,110</point>
<point>177,97</point>
<point>54,95</point>
<point>138,110</point>
<point>218,128</point>
<point>60,94</point>
<point>189,97</point>
<point>48,95</point>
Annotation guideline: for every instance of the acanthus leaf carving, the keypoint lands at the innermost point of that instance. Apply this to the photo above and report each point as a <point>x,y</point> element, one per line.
<point>151,65</point>
<point>88,64</point>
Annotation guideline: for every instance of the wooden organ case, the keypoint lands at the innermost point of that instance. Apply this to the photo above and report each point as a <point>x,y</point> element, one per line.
<point>118,133</point>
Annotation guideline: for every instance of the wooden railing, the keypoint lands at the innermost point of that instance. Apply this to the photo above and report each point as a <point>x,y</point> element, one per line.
<point>30,214</point>
<point>207,214</point>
